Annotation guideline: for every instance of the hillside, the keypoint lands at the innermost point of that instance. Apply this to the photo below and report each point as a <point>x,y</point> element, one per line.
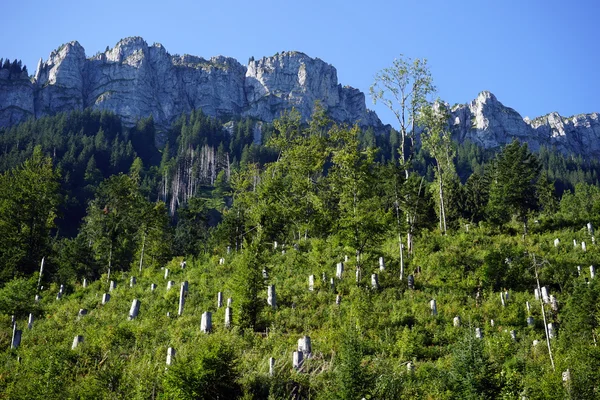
<point>380,342</point>
<point>304,257</point>
<point>435,295</point>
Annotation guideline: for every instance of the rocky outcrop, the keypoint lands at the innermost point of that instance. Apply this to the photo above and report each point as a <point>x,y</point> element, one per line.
<point>487,122</point>
<point>16,98</point>
<point>294,79</point>
<point>135,80</point>
<point>579,134</point>
<point>59,82</point>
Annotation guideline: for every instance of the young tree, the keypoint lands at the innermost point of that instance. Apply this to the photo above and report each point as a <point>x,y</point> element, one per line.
<point>436,140</point>
<point>296,179</point>
<point>474,375</point>
<point>354,184</point>
<point>513,184</point>
<point>404,88</point>
<point>208,374</point>
<point>249,284</point>
<point>113,221</point>
<point>154,236</point>
<point>352,376</point>
<point>29,197</point>
<point>476,194</point>
<point>393,186</point>
<point>192,226</point>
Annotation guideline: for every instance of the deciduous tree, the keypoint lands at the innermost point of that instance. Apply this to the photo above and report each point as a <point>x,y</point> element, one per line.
<point>436,140</point>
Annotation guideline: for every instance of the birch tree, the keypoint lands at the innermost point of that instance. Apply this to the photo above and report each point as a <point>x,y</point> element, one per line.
<point>436,140</point>
<point>404,88</point>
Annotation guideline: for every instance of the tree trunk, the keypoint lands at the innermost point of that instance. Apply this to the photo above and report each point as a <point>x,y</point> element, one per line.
<point>544,315</point>
<point>442,207</point>
<point>142,255</point>
<point>400,242</point>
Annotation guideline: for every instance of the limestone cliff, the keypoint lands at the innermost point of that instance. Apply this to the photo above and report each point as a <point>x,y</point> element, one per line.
<point>135,80</point>
<point>16,98</point>
<point>489,123</point>
<point>294,79</point>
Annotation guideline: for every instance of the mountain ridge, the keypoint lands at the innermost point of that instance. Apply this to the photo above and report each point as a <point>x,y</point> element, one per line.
<point>135,80</point>
<point>489,123</point>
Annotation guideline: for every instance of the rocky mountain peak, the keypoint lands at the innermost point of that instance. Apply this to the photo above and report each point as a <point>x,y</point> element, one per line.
<point>62,63</point>
<point>484,97</point>
<point>294,78</point>
<point>487,122</point>
<point>126,48</point>
<point>135,80</point>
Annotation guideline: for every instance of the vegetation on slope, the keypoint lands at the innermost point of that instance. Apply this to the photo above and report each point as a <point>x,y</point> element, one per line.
<point>99,202</point>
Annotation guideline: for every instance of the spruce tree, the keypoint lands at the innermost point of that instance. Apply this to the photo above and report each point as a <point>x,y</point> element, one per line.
<point>513,184</point>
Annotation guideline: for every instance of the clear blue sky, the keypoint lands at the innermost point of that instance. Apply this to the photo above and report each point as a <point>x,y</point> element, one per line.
<point>536,56</point>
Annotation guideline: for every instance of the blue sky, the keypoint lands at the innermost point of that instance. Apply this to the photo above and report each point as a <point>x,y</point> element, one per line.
<point>536,56</point>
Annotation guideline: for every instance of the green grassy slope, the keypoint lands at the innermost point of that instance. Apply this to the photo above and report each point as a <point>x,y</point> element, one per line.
<point>361,347</point>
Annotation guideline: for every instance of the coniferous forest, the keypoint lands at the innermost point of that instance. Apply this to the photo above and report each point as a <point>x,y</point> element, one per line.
<point>315,261</point>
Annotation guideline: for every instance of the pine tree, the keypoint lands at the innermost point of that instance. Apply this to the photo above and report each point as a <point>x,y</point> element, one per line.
<point>28,206</point>
<point>513,184</point>
<point>250,288</point>
<point>472,371</point>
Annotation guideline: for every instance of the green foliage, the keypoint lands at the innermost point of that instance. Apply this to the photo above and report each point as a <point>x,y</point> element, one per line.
<point>249,285</point>
<point>319,190</point>
<point>471,370</point>
<point>436,140</point>
<point>16,295</point>
<point>581,314</point>
<point>352,179</point>
<point>360,347</point>
<point>476,196</point>
<point>404,88</point>
<point>28,205</point>
<point>209,374</point>
<point>352,376</point>
<point>192,229</point>
<point>120,221</point>
<point>580,206</point>
<point>513,183</point>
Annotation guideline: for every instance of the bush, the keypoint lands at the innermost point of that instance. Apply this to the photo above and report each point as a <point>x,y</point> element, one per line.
<point>210,374</point>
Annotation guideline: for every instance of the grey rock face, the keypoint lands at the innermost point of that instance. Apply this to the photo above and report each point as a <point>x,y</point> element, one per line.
<point>578,134</point>
<point>216,86</point>
<point>135,80</point>
<point>293,79</point>
<point>16,98</point>
<point>59,82</point>
<point>489,123</point>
